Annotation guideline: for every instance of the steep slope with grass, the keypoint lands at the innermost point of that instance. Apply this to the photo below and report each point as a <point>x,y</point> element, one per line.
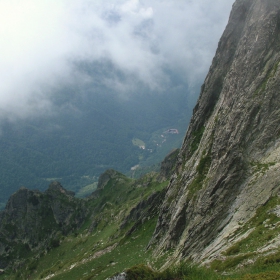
<point>54,235</point>
<point>228,167</point>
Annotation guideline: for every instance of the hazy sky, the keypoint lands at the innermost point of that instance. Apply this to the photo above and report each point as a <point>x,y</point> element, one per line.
<point>41,41</point>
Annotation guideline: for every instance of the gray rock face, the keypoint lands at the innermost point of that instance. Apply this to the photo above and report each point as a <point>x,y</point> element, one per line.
<point>145,209</point>
<point>229,163</point>
<point>167,165</point>
<point>121,276</point>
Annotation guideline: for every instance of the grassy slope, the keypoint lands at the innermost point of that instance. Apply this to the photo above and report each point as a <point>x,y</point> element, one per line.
<point>82,252</point>
<point>106,250</point>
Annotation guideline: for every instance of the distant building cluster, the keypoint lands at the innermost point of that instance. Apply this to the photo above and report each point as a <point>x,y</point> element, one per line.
<point>172,131</point>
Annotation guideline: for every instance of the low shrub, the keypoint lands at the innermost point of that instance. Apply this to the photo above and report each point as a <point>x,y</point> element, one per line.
<point>178,272</point>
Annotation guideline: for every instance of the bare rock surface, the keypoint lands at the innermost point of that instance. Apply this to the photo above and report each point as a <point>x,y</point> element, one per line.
<point>229,163</point>
<point>121,276</point>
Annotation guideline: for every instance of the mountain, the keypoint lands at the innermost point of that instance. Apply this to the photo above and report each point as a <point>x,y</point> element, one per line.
<point>89,131</point>
<point>31,221</point>
<point>213,211</point>
<point>35,224</point>
<point>224,193</point>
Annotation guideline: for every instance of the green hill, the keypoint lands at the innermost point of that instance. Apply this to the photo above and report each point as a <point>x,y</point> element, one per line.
<point>104,235</point>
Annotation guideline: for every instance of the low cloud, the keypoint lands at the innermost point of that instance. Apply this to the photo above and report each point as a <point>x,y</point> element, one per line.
<point>42,42</point>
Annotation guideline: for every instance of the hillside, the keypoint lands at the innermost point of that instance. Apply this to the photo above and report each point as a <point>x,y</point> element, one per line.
<point>88,136</point>
<point>40,231</point>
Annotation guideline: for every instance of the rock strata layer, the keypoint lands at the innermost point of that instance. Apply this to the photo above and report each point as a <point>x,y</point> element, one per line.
<point>229,163</point>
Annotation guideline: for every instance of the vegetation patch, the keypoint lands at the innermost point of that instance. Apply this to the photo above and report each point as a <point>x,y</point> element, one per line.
<point>229,263</point>
<point>197,135</point>
<point>265,227</point>
<point>204,164</point>
<point>270,75</point>
<point>233,250</point>
<point>177,272</point>
<point>271,259</point>
<point>138,142</point>
<point>262,276</point>
<point>261,167</point>
<point>202,170</point>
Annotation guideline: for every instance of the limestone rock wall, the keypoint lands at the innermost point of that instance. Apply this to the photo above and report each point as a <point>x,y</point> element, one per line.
<point>229,163</point>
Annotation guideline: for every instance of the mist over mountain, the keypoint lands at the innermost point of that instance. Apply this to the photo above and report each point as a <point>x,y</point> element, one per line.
<point>43,46</point>
<point>81,80</point>
<point>76,144</point>
<point>212,211</point>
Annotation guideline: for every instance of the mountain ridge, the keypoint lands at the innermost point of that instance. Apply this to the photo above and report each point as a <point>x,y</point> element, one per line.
<point>216,201</point>
<point>224,161</point>
<point>34,223</point>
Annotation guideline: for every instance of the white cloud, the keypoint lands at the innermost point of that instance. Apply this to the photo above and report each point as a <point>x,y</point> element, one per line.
<point>40,40</point>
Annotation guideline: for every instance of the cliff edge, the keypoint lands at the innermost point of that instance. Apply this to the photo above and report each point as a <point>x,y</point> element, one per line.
<point>228,166</point>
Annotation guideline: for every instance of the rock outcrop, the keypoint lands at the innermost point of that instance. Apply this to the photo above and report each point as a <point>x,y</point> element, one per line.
<point>105,177</point>
<point>229,163</point>
<point>145,209</point>
<point>121,276</point>
<point>34,221</point>
<point>167,166</point>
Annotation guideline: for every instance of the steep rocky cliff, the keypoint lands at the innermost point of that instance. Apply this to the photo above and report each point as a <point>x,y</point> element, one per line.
<point>228,166</point>
<point>222,204</point>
